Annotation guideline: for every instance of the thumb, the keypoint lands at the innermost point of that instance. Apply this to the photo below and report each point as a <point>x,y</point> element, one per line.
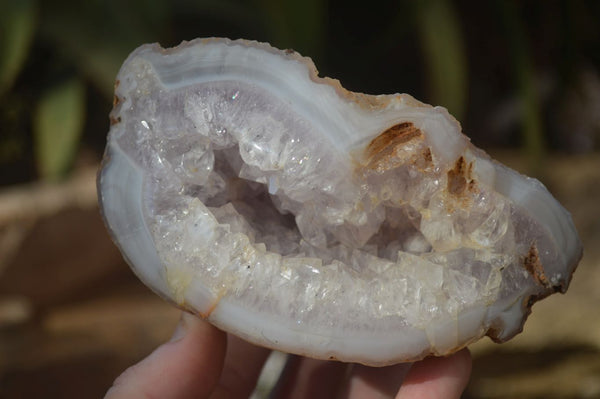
<point>189,365</point>
<point>438,377</point>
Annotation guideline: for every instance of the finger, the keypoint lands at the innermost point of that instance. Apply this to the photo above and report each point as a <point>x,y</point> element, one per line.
<point>438,377</point>
<point>375,382</point>
<point>243,364</point>
<point>310,378</point>
<point>187,366</point>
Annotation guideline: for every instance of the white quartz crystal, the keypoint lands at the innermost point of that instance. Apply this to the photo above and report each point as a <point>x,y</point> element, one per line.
<point>313,220</point>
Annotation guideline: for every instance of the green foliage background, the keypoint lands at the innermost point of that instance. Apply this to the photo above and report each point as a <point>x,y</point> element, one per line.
<point>516,63</point>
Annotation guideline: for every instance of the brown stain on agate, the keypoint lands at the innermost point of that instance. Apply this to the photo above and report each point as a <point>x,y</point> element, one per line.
<point>211,308</point>
<point>533,265</point>
<point>395,135</point>
<point>203,315</point>
<point>213,305</point>
<point>382,149</point>
<point>460,178</point>
<point>116,101</point>
<point>427,157</point>
<point>115,98</point>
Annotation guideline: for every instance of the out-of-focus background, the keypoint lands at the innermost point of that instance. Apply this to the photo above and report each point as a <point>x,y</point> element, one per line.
<point>522,77</point>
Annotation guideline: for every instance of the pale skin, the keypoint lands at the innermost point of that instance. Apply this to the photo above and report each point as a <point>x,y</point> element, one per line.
<point>200,361</point>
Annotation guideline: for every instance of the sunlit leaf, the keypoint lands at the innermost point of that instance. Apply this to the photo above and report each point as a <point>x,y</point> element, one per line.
<point>443,46</point>
<point>17,25</point>
<point>58,122</point>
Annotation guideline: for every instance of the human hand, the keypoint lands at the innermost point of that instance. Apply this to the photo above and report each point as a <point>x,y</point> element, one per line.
<point>200,361</point>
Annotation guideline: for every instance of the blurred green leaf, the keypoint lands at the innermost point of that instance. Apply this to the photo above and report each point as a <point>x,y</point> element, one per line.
<point>58,122</point>
<point>17,26</point>
<point>97,36</point>
<point>296,24</point>
<point>444,49</point>
<point>524,74</point>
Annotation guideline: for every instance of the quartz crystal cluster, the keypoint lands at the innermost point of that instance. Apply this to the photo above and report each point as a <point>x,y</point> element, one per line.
<point>306,218</point>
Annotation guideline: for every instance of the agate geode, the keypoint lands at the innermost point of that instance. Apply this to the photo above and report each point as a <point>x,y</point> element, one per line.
<point>306,218</point>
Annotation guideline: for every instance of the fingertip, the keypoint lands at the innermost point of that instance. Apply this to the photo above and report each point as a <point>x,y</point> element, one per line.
<point>303,377</point>
<point>189,365</point>
<point>376,382</point>
<point>241,369</point>
<point>438,377</point>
